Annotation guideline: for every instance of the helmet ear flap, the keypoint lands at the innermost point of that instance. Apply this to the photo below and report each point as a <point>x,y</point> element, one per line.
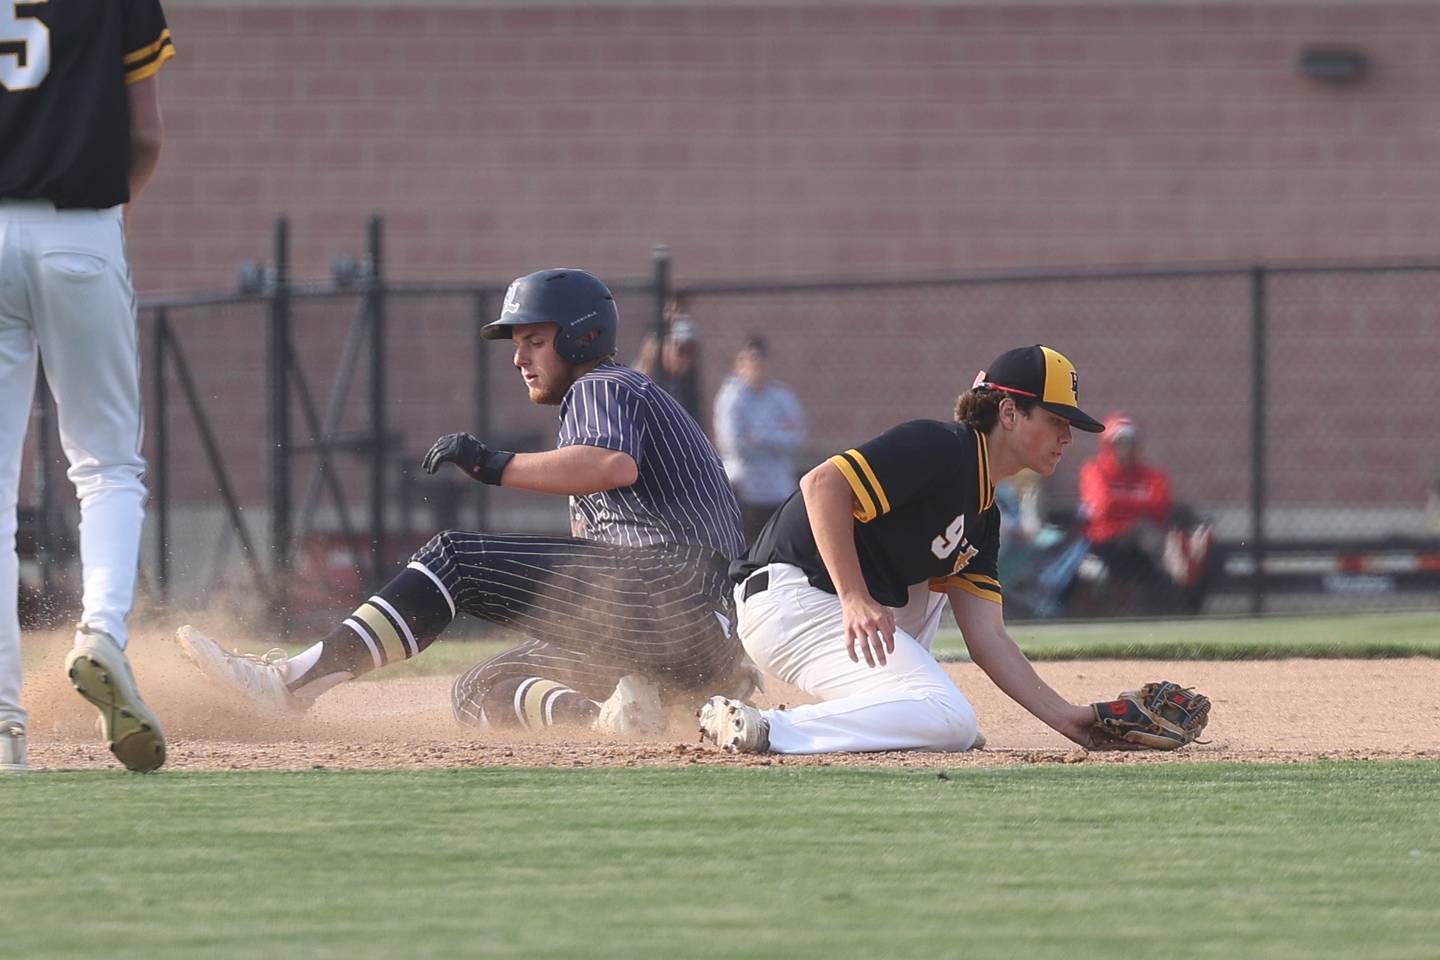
<point>577,349</point>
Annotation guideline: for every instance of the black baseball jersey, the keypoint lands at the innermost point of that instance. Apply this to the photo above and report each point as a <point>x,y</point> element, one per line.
<point>925,511</point>
<point>64,111</point>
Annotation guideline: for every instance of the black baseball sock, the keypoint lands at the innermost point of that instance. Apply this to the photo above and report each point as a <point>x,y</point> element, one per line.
<point>531,703</point>
<point>395,624</point>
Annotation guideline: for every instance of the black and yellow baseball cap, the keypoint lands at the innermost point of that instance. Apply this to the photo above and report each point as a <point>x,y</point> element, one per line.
<point>1045,375</point>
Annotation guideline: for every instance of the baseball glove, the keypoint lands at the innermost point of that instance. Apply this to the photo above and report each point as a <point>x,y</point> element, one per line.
<point>1158,716</point>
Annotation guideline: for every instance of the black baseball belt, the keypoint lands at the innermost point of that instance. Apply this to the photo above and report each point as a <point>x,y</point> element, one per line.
<point>757,582</point>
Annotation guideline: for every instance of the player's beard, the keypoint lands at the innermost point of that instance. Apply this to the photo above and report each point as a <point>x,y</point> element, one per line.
<point>548,393</point>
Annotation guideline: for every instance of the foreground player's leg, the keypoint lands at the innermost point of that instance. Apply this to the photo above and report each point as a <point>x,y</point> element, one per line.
<point>17,390</point>
<point>395,624</point>
<point>85,328</point>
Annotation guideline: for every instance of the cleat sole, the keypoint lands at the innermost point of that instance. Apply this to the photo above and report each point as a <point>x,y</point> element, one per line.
<point>135,741</point>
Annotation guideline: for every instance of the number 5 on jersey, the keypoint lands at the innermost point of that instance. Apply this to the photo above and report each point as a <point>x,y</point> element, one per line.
<point>27,68</point>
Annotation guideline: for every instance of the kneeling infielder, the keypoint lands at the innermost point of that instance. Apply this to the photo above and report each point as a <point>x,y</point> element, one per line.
<point>632,609</point>
<point>857,564</point>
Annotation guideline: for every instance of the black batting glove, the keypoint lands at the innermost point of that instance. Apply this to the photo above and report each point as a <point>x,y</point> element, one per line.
<point>477,460</point>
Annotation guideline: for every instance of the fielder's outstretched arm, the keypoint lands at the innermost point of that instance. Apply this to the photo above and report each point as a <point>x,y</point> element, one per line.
<point>994,651</point>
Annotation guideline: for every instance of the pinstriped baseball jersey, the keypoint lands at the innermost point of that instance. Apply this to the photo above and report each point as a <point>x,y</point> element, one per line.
<point>64,112</point>
<point>682,494</point>
<point>925,511</point>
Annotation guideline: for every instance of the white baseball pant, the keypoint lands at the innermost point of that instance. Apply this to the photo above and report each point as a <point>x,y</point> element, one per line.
<point>66,296</point>
<point>796,633</point>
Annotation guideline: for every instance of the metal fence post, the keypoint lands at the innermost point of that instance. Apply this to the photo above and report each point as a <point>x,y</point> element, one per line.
<point>661,255</point>
<point>1257,438</point>
<point>162,457</point>
<point>280,424</point>
<point>482,400</point>
<point>375,307</point>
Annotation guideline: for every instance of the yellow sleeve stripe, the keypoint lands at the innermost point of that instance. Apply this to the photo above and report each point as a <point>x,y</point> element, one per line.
<point>145,51</point>
<point>153,67</point>
<point>960,584</point>
<point>981,579</point>
<point>865,512</point>
<point>987,490</point>
<point>870,475</point>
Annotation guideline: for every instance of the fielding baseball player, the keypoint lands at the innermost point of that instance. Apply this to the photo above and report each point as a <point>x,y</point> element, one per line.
<point>80,136</point>
<point>842,592</point>
<point>632,610</point>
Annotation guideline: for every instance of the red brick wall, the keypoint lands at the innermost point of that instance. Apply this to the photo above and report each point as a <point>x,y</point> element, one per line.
<point>780,142</point>
<point>776,141</point>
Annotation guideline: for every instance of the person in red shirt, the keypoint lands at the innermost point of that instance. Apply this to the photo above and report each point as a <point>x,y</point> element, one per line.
<point>1118,490</point>
<point>1130,518</point>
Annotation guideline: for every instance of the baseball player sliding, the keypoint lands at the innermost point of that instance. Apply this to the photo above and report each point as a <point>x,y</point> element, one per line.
<point>842,592</point>
<point>631,611</point>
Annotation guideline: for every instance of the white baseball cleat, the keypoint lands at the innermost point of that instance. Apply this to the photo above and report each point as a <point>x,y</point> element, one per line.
<point>101,673</point>
<point>260,680</point>
<point>12,748</point>
<point>633,710</point>
<point>979,743</point>
<point>733,726</point>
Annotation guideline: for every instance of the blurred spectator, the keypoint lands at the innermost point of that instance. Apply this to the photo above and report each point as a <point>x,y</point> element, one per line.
<point>1039,554</point>
<point>1432,506</point>
<point>759,426</point>
<point>1132,523</point>
<point>1024,523</point>
<point>674,364</point>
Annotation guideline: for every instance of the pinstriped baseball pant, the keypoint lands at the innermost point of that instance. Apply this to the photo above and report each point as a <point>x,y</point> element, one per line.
<point>591,612</point>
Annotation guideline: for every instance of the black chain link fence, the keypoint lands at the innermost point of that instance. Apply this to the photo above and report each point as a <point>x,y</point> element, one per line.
<point>1293,409</point>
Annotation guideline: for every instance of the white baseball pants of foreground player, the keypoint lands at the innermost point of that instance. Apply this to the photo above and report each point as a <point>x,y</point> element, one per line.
<point>66,296</point>
<point>796,633</point>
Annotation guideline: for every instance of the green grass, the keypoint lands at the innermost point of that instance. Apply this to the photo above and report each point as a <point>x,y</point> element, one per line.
<point>1268,638</point>
<point>1178,860</point>
<point>1367,635</point>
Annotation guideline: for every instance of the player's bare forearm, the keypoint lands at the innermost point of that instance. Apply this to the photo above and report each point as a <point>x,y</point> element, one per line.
<point>994,651</point>
<point>830,504</point>
<point>574,471</point>
<point>146,132</point>
<point>144,158</point>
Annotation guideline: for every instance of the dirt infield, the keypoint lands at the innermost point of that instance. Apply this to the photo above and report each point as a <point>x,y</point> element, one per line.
<point>1276,711</point>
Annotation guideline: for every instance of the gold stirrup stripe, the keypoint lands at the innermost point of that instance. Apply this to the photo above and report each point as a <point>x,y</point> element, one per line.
<point>530,701</point>
<point>384,631</point>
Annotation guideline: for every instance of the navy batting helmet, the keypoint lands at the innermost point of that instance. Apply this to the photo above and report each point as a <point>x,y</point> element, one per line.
<point>575,300</point>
